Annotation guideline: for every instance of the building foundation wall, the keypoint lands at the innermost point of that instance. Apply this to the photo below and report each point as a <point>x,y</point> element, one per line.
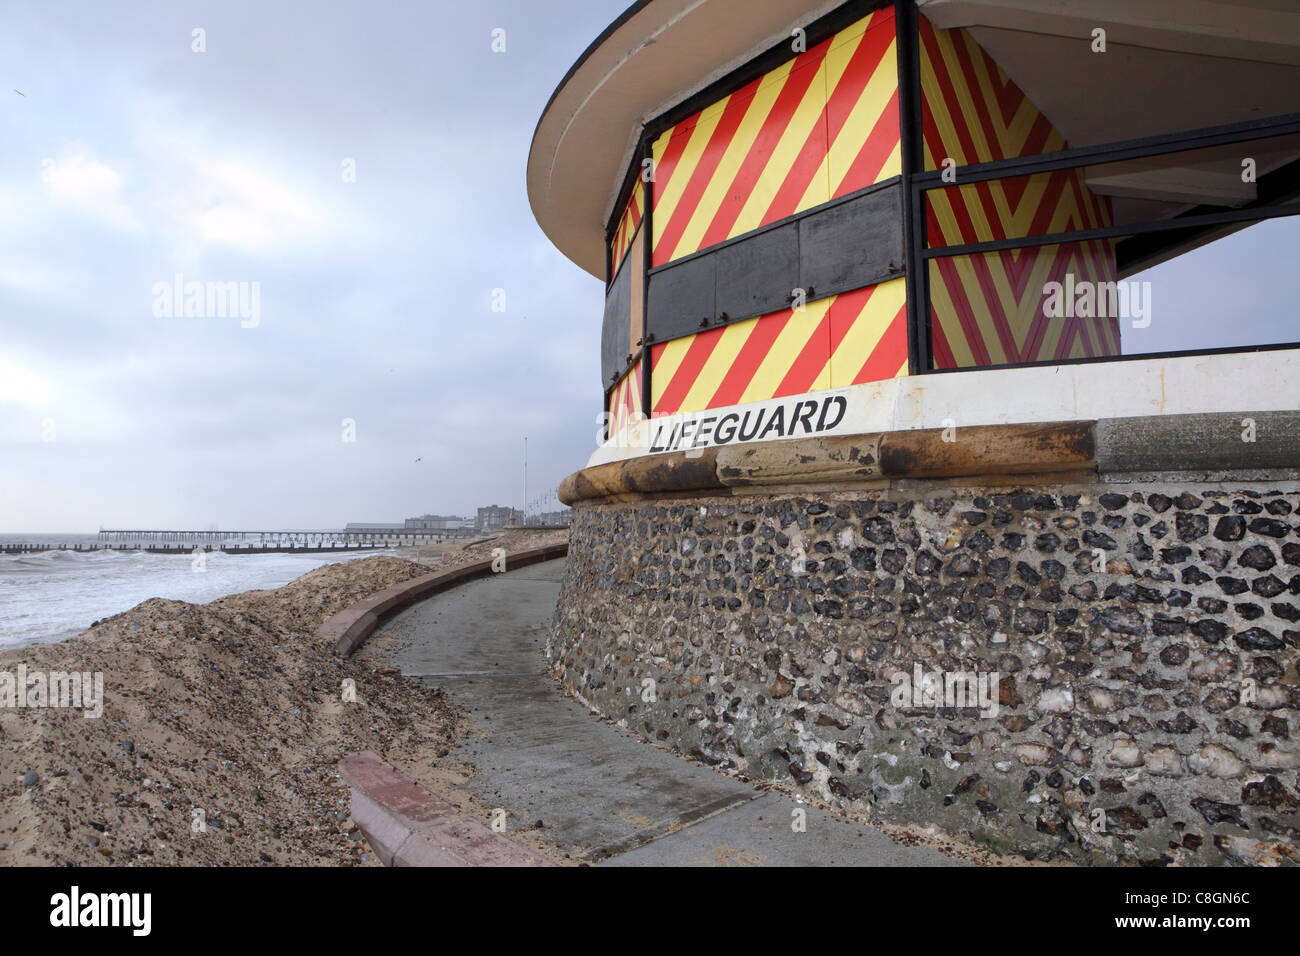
<point>1136,644</point>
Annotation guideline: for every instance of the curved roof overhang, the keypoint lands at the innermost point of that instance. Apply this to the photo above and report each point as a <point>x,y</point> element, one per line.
<point>654,56</point>
<point>1233,60</point>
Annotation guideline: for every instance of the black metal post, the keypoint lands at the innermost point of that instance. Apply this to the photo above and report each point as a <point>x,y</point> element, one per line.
<point>912,148</point>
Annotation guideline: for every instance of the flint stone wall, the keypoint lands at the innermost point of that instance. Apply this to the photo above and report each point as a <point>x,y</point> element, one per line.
<point>1161,689</point>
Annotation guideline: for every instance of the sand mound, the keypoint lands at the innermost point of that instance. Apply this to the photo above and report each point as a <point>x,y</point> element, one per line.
<point>452,553</point>
<point>230,709</point>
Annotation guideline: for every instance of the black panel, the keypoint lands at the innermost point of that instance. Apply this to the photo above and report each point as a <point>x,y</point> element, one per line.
<point>615,344</point>
<point>758,275</point>
<point>681,296</point>
<point>851,245</point>
<point>835,248</point>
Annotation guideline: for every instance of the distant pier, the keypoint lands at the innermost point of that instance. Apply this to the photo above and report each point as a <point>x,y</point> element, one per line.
<point>247,542</point>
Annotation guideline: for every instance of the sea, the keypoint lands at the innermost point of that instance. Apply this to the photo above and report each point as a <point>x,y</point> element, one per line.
<point>52,595</point>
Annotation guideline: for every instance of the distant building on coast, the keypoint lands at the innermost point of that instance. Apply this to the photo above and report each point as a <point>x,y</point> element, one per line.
<point>438,523</point>
<point>423,524</point>
<point>494,517</point>
<point>559,518</point>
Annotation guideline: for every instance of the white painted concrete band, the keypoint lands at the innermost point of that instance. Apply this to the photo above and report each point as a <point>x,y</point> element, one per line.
<point>1198,384</point>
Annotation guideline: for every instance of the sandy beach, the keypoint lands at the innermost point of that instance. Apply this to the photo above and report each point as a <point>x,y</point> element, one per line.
<point>222,728</point>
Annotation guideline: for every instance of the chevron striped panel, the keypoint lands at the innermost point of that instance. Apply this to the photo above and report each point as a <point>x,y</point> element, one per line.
<point>848,339</point>
<point>820,126</point>
<point>987,309</point>
<point>625,400</point>
<point>628,224</point>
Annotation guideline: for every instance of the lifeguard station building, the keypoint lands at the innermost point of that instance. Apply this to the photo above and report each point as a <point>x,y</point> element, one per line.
<point>885,429</point>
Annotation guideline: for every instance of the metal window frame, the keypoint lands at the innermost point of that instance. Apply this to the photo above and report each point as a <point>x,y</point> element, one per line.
<point>918,181</point>
<point>1119,150</point>
<point>647,258</point>
<point>1227,217</point>
<point>912,150</point>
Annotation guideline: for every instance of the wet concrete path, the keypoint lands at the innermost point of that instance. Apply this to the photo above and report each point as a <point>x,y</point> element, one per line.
<point>603,795</point>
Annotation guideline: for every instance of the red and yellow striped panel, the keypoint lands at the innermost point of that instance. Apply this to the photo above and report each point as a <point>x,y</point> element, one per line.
<point>848,339</point>
<point>987,309</point>
<point>625,400</point>
<point>821,125</point>
<point>628,224</point>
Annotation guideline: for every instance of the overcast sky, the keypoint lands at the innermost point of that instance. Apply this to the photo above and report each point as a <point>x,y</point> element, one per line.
<point>131,159</point>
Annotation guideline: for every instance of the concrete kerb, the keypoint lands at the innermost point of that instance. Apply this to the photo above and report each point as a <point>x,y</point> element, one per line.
<point>352,627</point>
<point>407,825</point>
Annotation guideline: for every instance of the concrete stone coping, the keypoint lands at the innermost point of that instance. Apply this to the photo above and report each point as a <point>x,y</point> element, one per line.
<point>352,627</point>
<point>1235,441</point>
<point>409,826</point>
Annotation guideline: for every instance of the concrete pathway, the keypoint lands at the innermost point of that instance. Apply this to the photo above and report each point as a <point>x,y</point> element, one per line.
<point>601,794</point>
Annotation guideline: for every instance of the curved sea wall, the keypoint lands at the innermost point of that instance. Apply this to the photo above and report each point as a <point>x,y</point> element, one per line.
<point>1095,670</point>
